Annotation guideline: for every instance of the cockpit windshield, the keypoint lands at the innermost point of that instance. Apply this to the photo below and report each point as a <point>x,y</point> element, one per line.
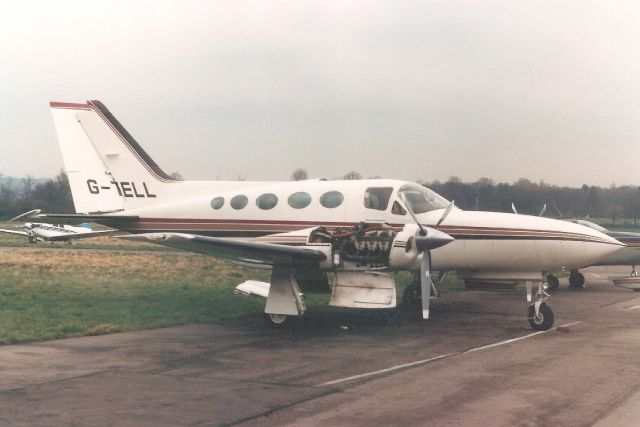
<point>420,199</point>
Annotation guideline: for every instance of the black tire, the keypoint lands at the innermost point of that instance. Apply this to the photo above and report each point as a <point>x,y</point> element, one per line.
<point>576,280</point>
<point>544,321</point>
<point>636,290</point>
<point>553,282</point>
<point>277,321</point>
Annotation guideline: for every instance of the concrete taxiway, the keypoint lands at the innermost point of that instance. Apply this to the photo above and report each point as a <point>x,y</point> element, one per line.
<point>476,362</point>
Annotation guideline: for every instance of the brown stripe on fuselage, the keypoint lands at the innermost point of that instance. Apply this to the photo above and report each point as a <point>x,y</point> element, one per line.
<point>256,228</point>
<point>69,105</point>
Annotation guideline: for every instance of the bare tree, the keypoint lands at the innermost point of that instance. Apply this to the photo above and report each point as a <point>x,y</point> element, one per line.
<point>614,212</point>
<point>27,189</point>
<point>299,175</point>
<point>352,175</point>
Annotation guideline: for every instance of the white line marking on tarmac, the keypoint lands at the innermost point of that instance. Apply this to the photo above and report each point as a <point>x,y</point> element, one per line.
<point>633,307</point>
<point>485,347</point>
<point>393,368</point>
<point>433,359</point>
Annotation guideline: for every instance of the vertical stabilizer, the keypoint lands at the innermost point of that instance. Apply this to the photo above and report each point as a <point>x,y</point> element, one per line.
<point>108,170</point>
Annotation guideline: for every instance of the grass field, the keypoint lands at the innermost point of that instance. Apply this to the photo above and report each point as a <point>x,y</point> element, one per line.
<point>54,291</point>
<point>47,294</point>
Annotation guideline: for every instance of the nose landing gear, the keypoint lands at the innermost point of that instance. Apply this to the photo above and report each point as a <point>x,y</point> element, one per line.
<point>539,313</point>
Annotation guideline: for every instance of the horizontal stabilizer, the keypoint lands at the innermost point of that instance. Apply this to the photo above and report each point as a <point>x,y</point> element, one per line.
<point>80,218</point>
<point>75,236</point>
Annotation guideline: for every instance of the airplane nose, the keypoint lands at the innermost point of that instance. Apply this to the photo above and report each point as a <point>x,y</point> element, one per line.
<point>599,246</point>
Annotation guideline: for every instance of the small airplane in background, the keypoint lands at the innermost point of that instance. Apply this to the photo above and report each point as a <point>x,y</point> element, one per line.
<point>39,231</point>
<point>360,230</point>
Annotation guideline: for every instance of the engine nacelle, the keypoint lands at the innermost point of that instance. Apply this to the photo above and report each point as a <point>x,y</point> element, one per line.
<point>404,254</point>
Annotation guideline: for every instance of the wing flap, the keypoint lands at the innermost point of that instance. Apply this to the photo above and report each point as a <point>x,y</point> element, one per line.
<point>246,251</point>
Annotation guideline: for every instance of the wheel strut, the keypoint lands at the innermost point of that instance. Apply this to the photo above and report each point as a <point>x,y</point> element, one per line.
<point>539,313</point>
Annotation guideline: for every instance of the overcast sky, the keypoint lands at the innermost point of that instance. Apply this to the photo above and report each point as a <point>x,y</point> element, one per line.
<point>547,90</point>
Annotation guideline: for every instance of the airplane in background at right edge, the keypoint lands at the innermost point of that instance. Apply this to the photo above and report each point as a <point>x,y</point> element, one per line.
<point>629,255</point>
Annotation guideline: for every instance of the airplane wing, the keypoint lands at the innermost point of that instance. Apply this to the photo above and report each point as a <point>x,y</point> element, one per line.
<point>245,251</point>
<point>75,236</point>
<point>21,233</point>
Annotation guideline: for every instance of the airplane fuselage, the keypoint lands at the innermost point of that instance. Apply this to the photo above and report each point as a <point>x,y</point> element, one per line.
<point>484,241</point>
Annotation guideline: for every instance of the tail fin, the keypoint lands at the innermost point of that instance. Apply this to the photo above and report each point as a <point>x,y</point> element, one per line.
<point>108,170</point>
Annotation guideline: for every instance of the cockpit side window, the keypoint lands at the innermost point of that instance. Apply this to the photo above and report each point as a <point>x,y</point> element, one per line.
<point>397,209</point>
<point>377,198</point>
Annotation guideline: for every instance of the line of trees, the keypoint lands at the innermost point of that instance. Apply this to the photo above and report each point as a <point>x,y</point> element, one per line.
<point>21,195</point>
<point>529,197</point>
<point>54,195</point>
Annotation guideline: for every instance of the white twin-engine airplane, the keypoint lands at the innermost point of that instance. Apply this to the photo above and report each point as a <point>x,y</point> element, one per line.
<point>38,231</point>
<point>359,230</point>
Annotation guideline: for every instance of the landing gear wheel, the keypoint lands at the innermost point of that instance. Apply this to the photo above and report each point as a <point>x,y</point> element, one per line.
<point>553,282</point>
<point>544,320</point>
<point>277,320</point>
<point>576,280</point>
<point>411,297</point>
<point>636,290</point>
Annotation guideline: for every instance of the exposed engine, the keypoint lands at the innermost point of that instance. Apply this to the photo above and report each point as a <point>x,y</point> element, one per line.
<point>366,243</point>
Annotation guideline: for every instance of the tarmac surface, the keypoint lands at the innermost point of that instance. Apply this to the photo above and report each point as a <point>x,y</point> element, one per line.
<point>476,362</point>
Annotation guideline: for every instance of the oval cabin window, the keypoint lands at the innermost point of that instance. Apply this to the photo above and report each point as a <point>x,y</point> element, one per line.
<point>217,202</point>
<point>331,199</point>
<point>299,200</point>
<point>267,201</point>
<point>239,201</point>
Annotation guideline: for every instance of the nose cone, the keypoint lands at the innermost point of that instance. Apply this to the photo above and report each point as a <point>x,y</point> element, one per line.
<point>570,245</point>
<point>598,245</point>
<point>433,239</point>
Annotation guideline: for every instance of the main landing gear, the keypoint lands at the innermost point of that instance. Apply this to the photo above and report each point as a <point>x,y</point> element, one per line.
<point>412,295</point>
<point>539,313</point>
<point>576,281</point>
<point>278,320</point>
<point>553,282</point>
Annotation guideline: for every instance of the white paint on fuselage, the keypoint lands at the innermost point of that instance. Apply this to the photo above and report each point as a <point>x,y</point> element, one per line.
<point>538,252</point>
